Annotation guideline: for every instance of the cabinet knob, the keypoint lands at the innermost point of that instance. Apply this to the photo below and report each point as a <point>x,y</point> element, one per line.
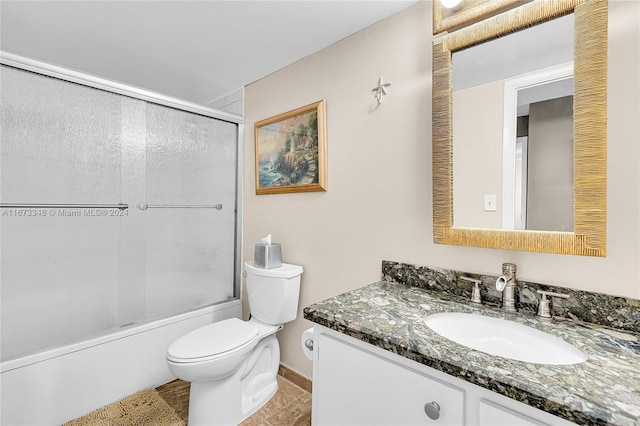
<point>433,410</point>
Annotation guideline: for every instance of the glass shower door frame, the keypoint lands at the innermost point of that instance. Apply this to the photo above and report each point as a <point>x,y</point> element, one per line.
<point>88,80</point>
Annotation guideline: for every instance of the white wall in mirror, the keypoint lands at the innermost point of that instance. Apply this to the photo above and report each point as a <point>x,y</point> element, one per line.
<point>535,48</point>
<point>477,154</point>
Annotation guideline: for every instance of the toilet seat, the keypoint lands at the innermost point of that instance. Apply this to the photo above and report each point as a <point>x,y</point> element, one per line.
<point>212,341</point>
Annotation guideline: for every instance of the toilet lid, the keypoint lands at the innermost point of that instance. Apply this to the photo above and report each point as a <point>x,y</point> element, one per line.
<point>213,339</point>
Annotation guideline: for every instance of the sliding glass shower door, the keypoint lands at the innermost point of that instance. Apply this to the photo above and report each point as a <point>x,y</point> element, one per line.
<point>75,263</point>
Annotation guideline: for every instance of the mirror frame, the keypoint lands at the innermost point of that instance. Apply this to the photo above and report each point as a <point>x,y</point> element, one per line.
<point>589,130</point>
<point>468,12</point>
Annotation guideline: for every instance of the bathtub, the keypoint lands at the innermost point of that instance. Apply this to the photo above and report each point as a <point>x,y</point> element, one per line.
<point>58,385</point>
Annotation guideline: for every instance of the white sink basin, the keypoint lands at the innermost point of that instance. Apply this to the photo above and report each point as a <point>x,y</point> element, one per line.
<point>504,338</point>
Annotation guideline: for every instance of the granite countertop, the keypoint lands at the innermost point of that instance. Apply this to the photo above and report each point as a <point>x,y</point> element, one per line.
<point>605,389</point>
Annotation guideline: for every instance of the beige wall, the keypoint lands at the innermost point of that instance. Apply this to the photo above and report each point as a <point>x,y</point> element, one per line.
<point>477,154</point>
<point>378,204</point>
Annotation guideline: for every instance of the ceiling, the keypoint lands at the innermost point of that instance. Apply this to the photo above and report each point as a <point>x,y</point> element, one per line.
<point>193,50</point>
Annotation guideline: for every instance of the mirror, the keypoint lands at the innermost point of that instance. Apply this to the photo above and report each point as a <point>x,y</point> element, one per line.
<point>523,78</point>
<point>577,224</point>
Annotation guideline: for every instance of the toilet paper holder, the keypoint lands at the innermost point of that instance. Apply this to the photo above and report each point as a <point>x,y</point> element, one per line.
<point>308,344</point>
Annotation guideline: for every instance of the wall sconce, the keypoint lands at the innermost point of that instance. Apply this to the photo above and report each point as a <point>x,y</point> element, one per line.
<point>450,4</point>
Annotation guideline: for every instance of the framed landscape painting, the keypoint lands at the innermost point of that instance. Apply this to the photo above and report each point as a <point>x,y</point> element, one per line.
<point>291,151</point>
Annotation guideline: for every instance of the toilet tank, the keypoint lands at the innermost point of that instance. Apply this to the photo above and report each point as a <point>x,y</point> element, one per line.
<point>273,293</point>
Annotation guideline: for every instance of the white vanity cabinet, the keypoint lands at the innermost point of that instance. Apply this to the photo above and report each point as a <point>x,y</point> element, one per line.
<point>491,414</point>
<point>356,387</point>
<point>355,383</point>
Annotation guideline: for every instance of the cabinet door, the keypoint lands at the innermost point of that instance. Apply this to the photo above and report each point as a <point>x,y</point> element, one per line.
<point>356,387</point>
<point>492,414</point>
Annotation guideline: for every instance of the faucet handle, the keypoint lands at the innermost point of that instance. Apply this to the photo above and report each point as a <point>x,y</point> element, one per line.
<point>475,292</point>
<point>544,307</point>
<point>473,280</point>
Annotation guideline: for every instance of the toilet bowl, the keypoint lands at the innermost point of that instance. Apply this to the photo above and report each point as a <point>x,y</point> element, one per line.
<point>233,364</point>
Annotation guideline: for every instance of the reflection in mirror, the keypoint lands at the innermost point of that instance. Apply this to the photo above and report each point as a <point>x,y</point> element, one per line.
<point>537,175</point>
<point>513,130</point>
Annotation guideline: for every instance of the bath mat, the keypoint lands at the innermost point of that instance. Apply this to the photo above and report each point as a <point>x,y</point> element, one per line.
<point>142,408</point>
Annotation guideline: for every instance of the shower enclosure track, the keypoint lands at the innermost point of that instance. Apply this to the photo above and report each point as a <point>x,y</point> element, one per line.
<point>120,206</point>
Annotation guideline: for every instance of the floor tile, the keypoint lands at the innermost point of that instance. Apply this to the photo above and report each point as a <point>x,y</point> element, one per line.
<point>286,394</point>
<point>255,420</point>
<point>296,413</point>
<point>290,406</point>
<point>176,394</point>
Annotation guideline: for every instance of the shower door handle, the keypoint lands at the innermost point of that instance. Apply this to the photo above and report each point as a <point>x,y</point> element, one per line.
<point>145,206</point>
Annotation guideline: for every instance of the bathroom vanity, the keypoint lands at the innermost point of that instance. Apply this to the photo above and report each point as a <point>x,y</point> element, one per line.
<point>377,362</point>
<point>357,383</point>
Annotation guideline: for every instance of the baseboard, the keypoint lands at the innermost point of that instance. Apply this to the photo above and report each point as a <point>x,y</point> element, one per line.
<point>294,377</point>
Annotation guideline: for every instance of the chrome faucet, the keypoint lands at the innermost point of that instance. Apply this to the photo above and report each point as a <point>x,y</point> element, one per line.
<point>507,284</point>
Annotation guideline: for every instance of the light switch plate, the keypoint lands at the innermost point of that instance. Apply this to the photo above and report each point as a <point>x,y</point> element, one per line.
<point>489,203</point>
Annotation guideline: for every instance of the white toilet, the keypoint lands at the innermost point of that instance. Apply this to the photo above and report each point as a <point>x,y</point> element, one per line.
<point>232,364</point>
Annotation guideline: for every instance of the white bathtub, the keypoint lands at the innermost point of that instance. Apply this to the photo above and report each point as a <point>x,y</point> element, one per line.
<point>55,386</point>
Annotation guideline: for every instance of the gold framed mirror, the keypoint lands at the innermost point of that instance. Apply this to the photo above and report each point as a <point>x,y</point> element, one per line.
<point>589,130</point>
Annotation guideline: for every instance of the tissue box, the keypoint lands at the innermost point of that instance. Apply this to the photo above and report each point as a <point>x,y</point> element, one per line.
<point>267,256</point>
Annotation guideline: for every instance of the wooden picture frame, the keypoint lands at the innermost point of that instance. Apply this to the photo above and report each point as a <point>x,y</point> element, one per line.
<point>290,151</point>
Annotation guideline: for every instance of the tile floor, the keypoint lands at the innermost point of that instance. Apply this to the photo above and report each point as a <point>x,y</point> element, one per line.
<point>290,406</point>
